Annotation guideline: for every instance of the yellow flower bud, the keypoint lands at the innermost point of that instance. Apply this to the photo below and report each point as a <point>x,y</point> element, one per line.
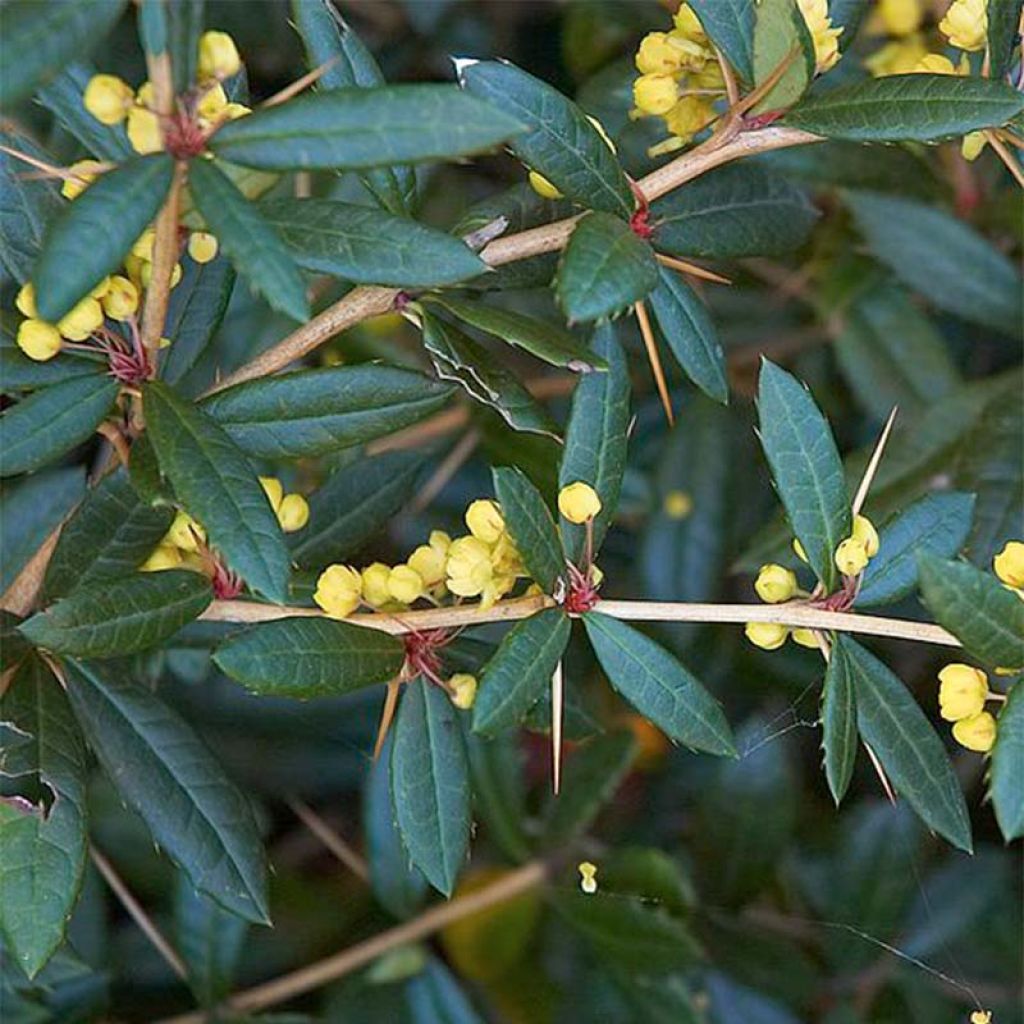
<point>405,584</point>
<point>851,558</point>
<point>542,186</point>
<point>688,25</point>
<point>578,502</point>
<point>143,245</point>
<point>338,590</point>
<point>805,638</point>
<point>775,583</point>
<point>596,575</point>
<point>897,57</point>
<point>655,94</point>
<point>185,533</point>
<point>273,489</point>
<point>121,299</point>
<point>83,319</point>
<point>966,24</point>
<point>145,95</point>
<point>981,1017</point>
<point>26,300</point>
<point>864,531</point>
<point>659,54</point>
<point>429,562</point>
<point>108,98</point>
<point>588,877</point>
<point>164,556</point>
<point>962,691</point>
<point>767,635</point>
<point>469,566</point>
<point>935,64</point>
<point>85,172</point>
<point>144,131</point>
<point>689,116</point>
<point>900,17</point>
<point>38,340</point>
<point>677,504</point>
<point>202,246</point>
<point>977,733</point>
<point>101,289</point>
<point>1009,564</point>
<point>485,521</point>
<point>213,102</point>
<point>293,513</point>
<point>375,584</point>
<point>798,550</point>
<point>462,687</point>
<point>218,56</point>
<point>972,144</point>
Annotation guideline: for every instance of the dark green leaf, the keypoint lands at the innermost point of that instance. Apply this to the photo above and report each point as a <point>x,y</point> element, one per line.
<point>848,15</point>
<point>687,327</point>
<point>839,726</point>
<point>560,143</point>
<point>1003,21</point>
<point>976,608</point>
<point>739,210</point>
<point>63,98</point>
<point>942,258</point>
<point>27,205</point>
<point>19,373</point>
<point>430,784</point>
<point>354,128</point>
<point>499,797</point>
<point>89,239</point>
<point>801,451</point>
<point>593,772</point>
<point>353,504</point>
<point>42,846</point>
<point>110,535</point>
<point>596,439</point>
<point>313,412</point>
<point>781,34</point>
<point>604,268</point>
<point>122,616</point>
<point>254,246</point>
<point>903,740</point>
<point>184,27</point>
<point>45,37</point>
<point>1005,789</point>
<point>435,997</point>
<point>658,686</point>
<point>369,246</point>
<point>529,522</point>
<point>730,26</point>
<point>519,670</point>
<point>161,769</point>
<point>218,487</point>
<point>905,108</point>
<point>53,421</point>
<point>309,657</point>
<point>937,523</point>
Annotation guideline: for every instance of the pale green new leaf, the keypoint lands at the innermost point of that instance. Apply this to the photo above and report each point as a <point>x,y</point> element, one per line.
<point>531,526</point>
<point>1005,789</point>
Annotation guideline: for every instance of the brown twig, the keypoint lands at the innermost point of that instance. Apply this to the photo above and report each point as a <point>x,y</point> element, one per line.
<point>329,838</point>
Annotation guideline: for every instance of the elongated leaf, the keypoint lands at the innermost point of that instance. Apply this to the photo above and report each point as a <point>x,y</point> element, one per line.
<point>53,421</point>
<point>905,108</point>
<point>976,608</point>
<point>44,37</point>
<point>839,726</point>
<point>604,268</point>
<point>596,438</point>
<point>435,997</point>
<point>938,524</point>
<point>546,341</point>
<point>429,784</point>
<point>369,246</point>
<point>781,34</point>
<point>910,751</point>
<point>218,487</point>
<point>687,327</point>
<point>801,451</point>
<point>118,617</point>
<point>499,797</point>
<point>1005,789</point>
<point>593,772</point>
<point>730,26</point>
<point>42,847</point>
<point>26,206</point>
<point>309,657</point>
<point>560,143</point>
<point>313,412</point>
<point>529,522</point>
<point>110,535</point>
<point>739,210</point>
<point>254,247</point>
<point>355,128</point>
<point>62,96</point>
<point>458,358</point>
<point>658,686</point>
<point>354,504</point>
<point>161,769</point>
<point>520,670</point>
<point>19,373</point>
<point>942,258</point>
<point>89,239</point>
<point>1003,19</point>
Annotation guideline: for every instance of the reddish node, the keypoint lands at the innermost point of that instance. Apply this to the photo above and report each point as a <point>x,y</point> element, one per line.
<point>226,584</point>
<point>581,595</point>
<point>421,657</point>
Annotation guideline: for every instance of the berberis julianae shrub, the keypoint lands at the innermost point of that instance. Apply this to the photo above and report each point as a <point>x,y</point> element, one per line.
<point>353,506</point>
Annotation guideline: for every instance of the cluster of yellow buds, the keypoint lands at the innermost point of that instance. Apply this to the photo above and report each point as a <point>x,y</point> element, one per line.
<point>543,187</point>
<point>826,38</point>
<point>963,692</point>
<point>853,554</point>
<point>1008,565</point>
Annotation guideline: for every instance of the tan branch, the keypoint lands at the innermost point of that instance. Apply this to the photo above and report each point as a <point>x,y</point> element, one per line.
<point>330,838</point>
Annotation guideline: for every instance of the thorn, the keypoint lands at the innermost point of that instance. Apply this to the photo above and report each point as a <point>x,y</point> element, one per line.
<point>557,693</point>
<point>654,359</point>
<point>876,458</point>
<point>390,702</point>
<point>685,267</point>
<point>299,84</point>
<point>880,772</point>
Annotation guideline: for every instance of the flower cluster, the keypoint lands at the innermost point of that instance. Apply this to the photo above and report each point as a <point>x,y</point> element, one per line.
<point>826,38</point>
<point>963,693</point>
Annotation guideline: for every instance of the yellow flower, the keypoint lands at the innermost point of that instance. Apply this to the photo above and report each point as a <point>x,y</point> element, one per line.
<point>212,103</point>
<point>85,172</point>
<point>542,186</point>
<point>805,638</point>
<point>977,733</point>
<point>485,521</point>
<point>935,64</point>
<point>865,532</point>
<point>505,557</point>
<point>145,95</point>
<point>143,245</point>
<point>121,299</point>
<point>767,635</point>
<point>962,691</point>
<point>655,94</point>
<point>108,98</point>
<point>981,1017</point>
<point>273,489</point>
<point>82,320</point>
<point>144,131</point>
<point>100,290</point>
<point>966,24</point>
<point>896,57</point>
<point>38,340</point>
<point>677,505</point>
<point>900,17</point>
<point>661,53</point>
<point>495,590</point>
<point>164,556</point>
<point>688,24</point>
<point>972,144</point>
<point>469,566</point>
<point>588,877</point>
<point>826,38</point>
<point>375,584</point>
<point>775,583</point>
<point>578,502</point>
<point>688,116</point>
<point>185,533</point>
<point>26,300</point>
<point>405,584</point>
<point>338,590</point>
<point>462,687</point>
<point>218,56</point>
<point>202,246</point>
<point>429,562</point>
<point>293,513</point>
<point>1009,564</point>
<point>233,111</point>
<point>851,557</point>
